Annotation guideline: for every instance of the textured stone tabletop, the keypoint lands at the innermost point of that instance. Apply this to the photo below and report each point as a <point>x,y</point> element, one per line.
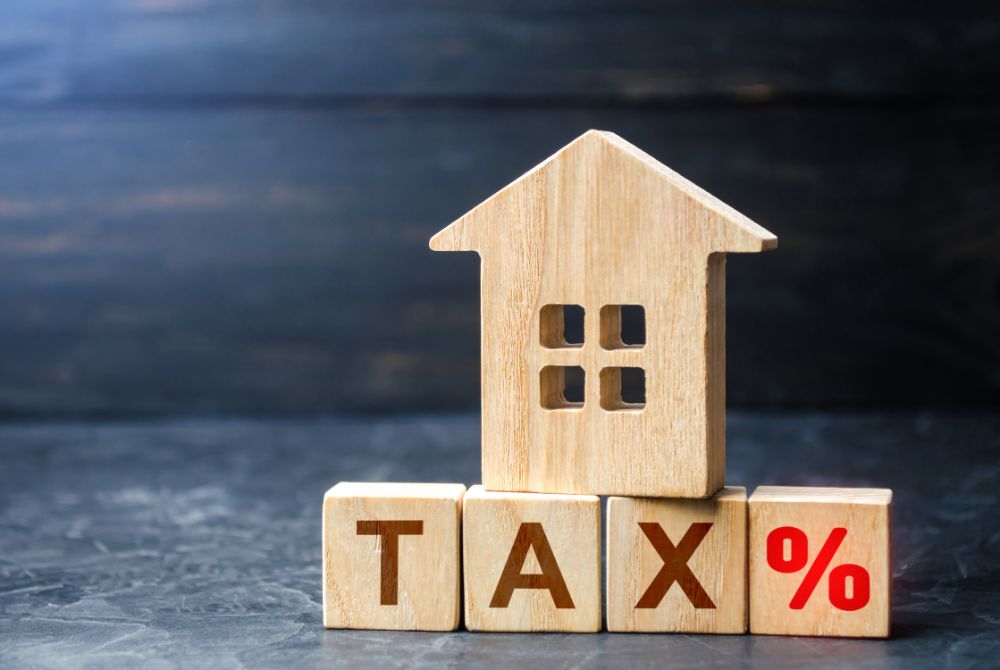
<point>197,543</point>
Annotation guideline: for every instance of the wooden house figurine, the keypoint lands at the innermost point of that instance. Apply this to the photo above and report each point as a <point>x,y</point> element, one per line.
<point>602,232</point>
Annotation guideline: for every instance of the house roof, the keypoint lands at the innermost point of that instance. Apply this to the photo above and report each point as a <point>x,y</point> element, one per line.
<point>456,236</point>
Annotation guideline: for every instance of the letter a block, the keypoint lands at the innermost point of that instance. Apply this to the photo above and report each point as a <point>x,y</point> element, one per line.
<point>532,562</point>
<point>820,561</point>
<point>678,565</point>
<point>391,556</point>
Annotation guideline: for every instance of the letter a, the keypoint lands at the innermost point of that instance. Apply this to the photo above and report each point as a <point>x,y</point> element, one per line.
<point>531,536</point>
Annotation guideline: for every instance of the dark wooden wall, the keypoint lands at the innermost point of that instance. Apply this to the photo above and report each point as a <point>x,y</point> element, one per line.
<point>223,205</point>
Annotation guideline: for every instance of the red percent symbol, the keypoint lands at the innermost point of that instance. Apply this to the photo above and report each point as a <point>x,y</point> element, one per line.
<point>798,558</point>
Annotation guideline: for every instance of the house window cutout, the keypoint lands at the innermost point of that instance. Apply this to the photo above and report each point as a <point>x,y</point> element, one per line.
<point>623,327</point>
<point>561,326</point>
<point>562,387</point>
<point>623,389</point>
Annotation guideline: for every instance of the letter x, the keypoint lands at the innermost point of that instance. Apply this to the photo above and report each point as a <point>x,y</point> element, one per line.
<point>675,567</point>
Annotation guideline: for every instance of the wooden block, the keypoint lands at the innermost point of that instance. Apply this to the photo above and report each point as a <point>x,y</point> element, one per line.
<point>532,562</point>
<point>604,230</point>
<point>678,565</point>
<point>391,556</point>
<point>820,561</point>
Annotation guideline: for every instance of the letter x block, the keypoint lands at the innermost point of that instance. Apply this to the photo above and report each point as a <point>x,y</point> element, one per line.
<point>391,556</point>
<point>532,561</point>
<point>678,565</point>
<point>820,561</point>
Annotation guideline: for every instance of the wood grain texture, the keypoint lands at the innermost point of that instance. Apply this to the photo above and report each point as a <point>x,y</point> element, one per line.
<point>391,556</point>
<point>865,515</point>
<point>571,525</point>
<point>602,224</point>
<point>312,52</point>
<point>275,262</point>
<point>718,563</point>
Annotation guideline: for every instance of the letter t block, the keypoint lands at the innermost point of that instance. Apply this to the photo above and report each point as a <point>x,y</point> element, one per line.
<point>532,562</point>
<point>391,556</point>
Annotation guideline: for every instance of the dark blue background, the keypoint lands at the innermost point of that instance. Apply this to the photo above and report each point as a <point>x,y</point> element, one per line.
<point>222,206</point>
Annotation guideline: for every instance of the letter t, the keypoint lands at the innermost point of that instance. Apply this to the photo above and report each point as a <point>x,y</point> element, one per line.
<point>389,532</point>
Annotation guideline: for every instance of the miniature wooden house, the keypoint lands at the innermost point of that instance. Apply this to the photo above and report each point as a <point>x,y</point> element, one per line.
<point>602,230</point>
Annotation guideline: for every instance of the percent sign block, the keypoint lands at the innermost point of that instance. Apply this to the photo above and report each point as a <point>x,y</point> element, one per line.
<point>820,561</point>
